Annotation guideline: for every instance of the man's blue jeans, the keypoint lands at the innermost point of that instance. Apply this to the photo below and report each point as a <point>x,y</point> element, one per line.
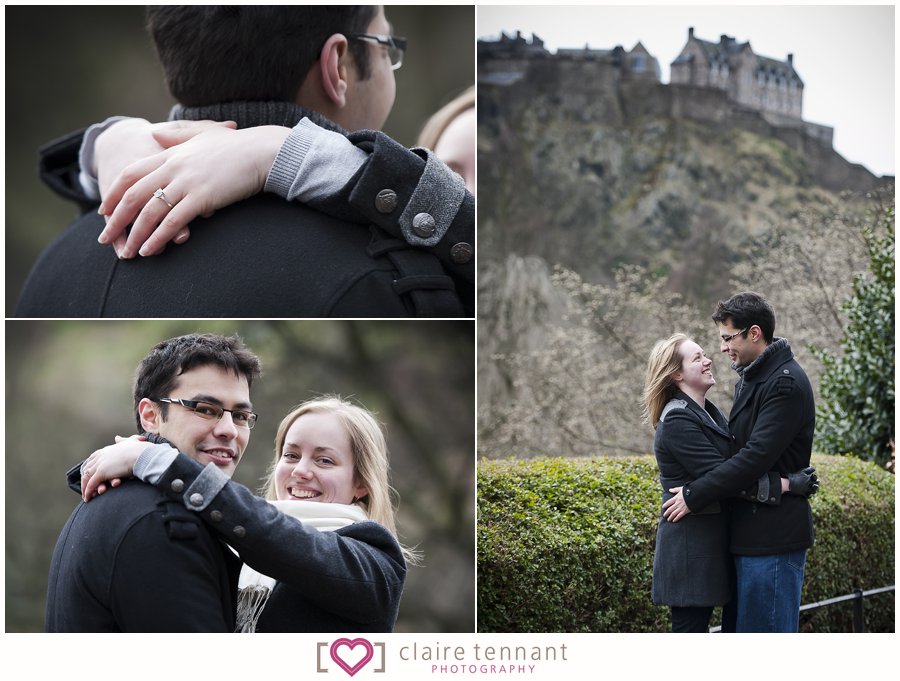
<point>767,598</point>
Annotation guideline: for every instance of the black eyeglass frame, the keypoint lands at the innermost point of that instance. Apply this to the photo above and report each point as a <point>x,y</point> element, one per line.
<point>193,404</point>
<point>390,41</point>
<point>728,339</point>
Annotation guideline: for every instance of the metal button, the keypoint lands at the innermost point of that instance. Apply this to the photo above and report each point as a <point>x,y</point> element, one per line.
<point>386,201</point>
<point>423,225</point>
<point>461,253</point>
<point>216,516</point>
<point>239,531</point>
<point>177,485</point>
<point>196,499</point>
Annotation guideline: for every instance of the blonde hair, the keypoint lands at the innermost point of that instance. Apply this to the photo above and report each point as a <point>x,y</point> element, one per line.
<point>659,387</point>
<point>370,458</point>
<point>434,127</point>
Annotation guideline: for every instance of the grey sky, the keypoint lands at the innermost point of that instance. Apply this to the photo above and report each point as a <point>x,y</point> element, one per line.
<point>844,54</point>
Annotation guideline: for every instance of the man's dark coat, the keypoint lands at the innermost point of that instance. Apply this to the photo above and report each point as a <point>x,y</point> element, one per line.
<point>772,420</point>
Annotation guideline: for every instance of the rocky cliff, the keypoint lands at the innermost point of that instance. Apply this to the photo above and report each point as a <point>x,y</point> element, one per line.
<point>674,178</point>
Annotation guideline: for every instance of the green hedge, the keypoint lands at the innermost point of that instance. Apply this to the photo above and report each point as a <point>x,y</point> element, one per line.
<point>566,545</point>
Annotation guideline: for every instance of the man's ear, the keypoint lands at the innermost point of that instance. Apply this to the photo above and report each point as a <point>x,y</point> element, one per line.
<point>151,416</point>
<point>334,63</point>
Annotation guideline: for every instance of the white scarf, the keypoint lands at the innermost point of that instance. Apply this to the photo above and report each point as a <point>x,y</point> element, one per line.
<point>254,587</point>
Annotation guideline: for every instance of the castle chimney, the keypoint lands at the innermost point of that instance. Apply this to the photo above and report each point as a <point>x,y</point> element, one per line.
<point>791,59</point>
<point>690,33</point>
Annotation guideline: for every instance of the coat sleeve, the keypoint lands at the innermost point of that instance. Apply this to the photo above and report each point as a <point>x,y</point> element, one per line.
<point>59,168</point>
<point>398,184</point>
<point>358,570</point>
<point>774,429</point>
<point>693,450</point>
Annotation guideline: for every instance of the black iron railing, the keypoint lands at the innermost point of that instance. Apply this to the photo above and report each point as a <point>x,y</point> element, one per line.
<point>859,621</point>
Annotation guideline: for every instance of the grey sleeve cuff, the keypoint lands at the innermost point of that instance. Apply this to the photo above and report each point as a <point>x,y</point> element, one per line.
<point>86,156</point>
<point>434,203</point>
<point>153,462</point>
<point>205,488</point>
<point>313,163</point>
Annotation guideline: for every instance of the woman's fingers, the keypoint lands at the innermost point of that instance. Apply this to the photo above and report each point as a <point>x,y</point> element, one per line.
<point>171,227</point>
<point>128,194</point>
<point>178,132</point>
<point>159,206</point>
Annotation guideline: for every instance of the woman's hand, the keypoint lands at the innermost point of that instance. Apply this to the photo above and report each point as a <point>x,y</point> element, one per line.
<point>110,465</point>
<point>675,509</point>
<point>131,140</point>
<point>198,173</point>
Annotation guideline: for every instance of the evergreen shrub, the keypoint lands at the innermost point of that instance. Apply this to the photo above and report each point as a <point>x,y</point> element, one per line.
<point>566,545</point>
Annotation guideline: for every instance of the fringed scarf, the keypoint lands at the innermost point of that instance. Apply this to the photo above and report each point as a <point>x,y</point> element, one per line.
<point>254,588</point>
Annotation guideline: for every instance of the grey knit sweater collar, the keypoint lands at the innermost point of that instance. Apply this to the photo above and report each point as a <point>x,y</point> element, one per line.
<point>252,114</point>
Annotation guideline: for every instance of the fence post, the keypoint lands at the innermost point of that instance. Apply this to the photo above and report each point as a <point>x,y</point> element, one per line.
<point>859,622</point>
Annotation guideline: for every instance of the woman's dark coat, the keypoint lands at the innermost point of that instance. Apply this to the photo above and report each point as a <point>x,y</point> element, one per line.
<point>691,565</point>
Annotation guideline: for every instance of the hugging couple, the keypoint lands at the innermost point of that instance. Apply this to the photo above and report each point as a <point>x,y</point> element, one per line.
<point>735,522</point>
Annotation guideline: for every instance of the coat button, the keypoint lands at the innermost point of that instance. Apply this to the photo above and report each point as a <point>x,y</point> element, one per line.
<point>177,486</point>
<point>386,201</point>
<point>196,499</point>
<point>461,253</point>
<point>239,531</point>
<point>423,225</point>
<point>216,516</point>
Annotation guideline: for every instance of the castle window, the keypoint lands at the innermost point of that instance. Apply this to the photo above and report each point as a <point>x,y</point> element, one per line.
<point>638,63</point>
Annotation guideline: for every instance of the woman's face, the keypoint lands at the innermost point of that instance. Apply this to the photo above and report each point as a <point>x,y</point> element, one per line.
<point>696,368</point>
<point>316,462</point>
<point>456,146</point>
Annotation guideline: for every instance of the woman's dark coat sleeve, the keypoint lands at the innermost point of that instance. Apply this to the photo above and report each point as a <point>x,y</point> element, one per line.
<point>357,570</point>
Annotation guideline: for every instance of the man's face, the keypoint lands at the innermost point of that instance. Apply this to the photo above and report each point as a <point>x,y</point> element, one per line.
<point>369,101</point>
<point>205,440</point>
<point>740,347</point>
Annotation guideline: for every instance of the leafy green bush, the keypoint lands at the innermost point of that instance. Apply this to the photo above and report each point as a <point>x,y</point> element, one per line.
<point>566,545</point>
<point>856,414</point>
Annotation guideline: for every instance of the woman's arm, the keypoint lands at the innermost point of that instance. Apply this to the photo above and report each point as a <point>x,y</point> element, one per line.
<point>366,178</point>
<point>358,569</point>
<point>688,443</point>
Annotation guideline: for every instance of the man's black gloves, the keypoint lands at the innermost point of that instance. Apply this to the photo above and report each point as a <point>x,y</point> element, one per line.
<point>804,482</point>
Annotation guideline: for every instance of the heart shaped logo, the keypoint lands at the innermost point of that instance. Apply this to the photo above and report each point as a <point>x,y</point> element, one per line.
<point>348,665</point>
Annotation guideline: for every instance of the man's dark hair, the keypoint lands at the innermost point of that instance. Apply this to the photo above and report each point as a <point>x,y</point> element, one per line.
<point>747,309</point>
<point>230,53</point>
<point>158,372</point>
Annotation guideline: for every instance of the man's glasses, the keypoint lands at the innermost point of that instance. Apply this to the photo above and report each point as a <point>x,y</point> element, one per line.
<point>206,410</point>
<point>396,46</point>
<point>728,339</point>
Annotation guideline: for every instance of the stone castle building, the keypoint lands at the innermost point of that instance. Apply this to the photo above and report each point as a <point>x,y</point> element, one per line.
<point>747,84</point>
<point>757,82</point>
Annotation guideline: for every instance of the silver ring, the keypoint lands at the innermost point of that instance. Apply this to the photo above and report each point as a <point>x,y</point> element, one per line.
<point>159,194</point>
